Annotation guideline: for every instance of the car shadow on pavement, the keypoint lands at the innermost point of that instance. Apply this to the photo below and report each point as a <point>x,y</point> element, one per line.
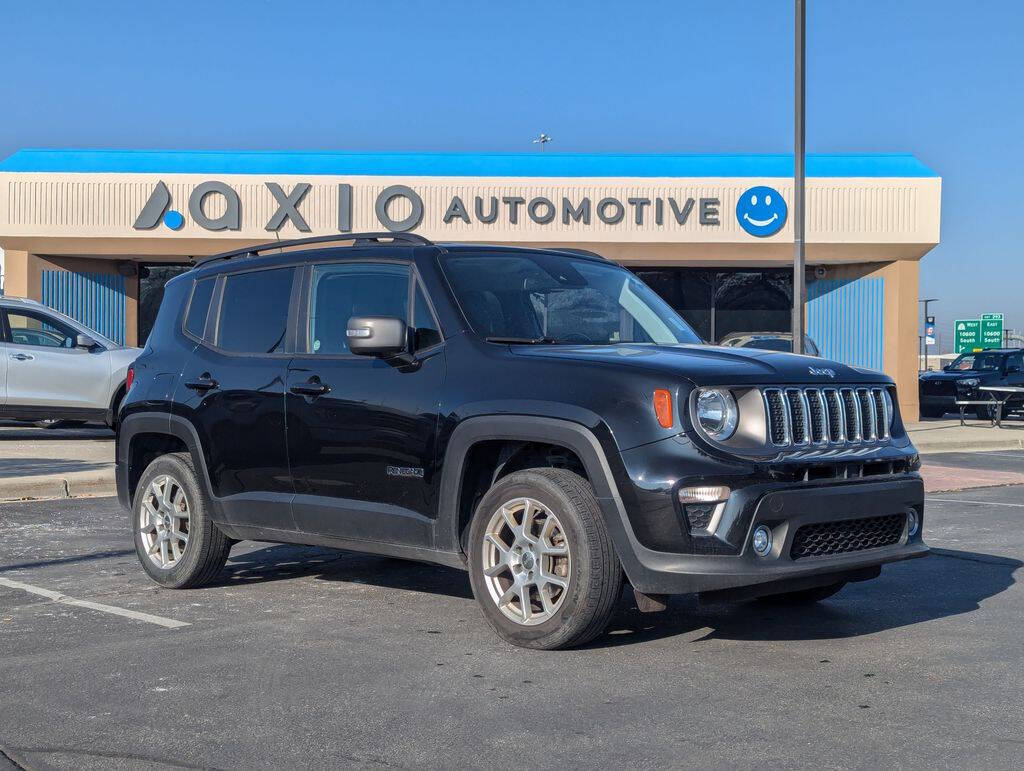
<point>31,467</point>
<point>947,583</point>
<point>285,561</point>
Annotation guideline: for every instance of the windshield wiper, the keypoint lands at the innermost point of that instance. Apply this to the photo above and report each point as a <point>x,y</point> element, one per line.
<point>521,340</point>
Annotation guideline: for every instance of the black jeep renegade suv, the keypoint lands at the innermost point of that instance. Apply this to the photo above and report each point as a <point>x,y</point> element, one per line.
<point>539,418</point>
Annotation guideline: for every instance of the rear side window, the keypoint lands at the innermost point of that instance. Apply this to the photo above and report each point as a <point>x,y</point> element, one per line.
<point>198,307</point>
<point>254,311</point>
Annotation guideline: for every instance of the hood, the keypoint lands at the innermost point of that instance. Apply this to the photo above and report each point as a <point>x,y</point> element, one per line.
<point>960,374</point>
<point>711,365</point>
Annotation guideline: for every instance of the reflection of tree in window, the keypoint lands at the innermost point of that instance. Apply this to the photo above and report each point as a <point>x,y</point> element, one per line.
<point>754,301</point>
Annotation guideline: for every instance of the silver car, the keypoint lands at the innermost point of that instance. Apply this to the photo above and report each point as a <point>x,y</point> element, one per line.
<point>53,368</point>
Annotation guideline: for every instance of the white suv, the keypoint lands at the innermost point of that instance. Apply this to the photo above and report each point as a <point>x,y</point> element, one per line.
<point>53,368</point>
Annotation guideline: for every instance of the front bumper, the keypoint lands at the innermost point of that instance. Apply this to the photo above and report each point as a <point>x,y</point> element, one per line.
<point>785,509</point>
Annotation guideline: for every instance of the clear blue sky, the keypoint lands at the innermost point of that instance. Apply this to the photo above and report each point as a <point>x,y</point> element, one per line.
<point>938,78</point>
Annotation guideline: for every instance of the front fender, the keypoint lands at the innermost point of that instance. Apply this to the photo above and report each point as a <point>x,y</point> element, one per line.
<point>579,438</point>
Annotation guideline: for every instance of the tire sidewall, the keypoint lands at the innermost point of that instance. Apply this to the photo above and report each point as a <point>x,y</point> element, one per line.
<point>199,521</point>
<point>526,484</point>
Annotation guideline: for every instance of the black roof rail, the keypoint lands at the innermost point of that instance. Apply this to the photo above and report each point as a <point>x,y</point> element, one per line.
<point>360,239</point>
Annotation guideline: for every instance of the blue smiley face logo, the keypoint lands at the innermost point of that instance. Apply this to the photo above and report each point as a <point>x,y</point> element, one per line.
<point>761,211</point>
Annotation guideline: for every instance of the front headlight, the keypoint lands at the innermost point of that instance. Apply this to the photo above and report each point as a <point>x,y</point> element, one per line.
<point>970,382</point>
<point>716,413</point>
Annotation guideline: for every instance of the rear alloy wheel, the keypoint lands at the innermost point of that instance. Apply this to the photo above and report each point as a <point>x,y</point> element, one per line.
<point>177,542</point>
<point>542,565</point>
<point>164,521</point>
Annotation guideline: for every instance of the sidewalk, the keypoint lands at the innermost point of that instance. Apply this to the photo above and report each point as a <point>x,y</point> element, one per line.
<point>947,435</point>
<point>55,463</point>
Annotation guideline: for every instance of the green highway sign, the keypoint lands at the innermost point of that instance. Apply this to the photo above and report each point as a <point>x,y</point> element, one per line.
<point>966,335</point>
<point>992,330</point>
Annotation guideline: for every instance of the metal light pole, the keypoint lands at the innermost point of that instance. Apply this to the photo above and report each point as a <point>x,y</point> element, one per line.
<point>926,302</point>
<point>542,140</point>
<point>799,280</point>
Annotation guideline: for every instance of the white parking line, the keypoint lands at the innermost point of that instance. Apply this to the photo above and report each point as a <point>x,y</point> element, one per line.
<point>979,503</point>
<point>169,623</point>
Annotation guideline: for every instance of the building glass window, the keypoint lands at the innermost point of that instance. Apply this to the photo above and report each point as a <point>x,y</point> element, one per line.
<point>720,303</point>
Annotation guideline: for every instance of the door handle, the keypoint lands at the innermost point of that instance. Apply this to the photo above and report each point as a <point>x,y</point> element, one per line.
<point>22,356</point>
<point>203,383</point>
<point>312,388</point>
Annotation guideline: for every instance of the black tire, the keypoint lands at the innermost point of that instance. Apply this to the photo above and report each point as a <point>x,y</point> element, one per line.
<point>206,549</point>
<point>984,412</point>
<point>804,596</point>
<point>595,575</point>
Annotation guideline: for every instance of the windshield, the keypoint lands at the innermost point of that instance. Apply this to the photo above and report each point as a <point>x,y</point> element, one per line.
<point>549,298</point>
<point>977,362</point>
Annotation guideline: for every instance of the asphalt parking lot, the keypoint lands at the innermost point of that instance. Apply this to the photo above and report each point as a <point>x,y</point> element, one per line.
<point>312,657</point>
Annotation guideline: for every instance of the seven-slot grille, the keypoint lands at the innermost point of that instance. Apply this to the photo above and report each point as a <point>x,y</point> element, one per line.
<point>823,416</point>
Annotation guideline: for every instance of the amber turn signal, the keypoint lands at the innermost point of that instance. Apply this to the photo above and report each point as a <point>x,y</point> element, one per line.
<point>663,407</point>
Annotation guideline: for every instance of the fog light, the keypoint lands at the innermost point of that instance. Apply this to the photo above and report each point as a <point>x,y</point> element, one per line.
<point>913,523</point>
<point>762,541</point>
<point>704,494</point>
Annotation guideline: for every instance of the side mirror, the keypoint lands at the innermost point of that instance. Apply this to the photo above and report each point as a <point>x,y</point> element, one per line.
<point>84,341</point>
<point>377,335</point>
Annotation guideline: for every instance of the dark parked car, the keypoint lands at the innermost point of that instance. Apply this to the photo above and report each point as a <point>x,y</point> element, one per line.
<point>939,391</point>
<point>769,341</point>
<point>541,419</point>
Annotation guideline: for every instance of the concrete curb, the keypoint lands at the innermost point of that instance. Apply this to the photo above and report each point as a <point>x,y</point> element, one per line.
<point>45,487</point>
<point>969,446</point>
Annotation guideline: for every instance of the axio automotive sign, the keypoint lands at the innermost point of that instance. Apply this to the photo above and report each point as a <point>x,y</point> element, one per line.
<point>761,211</point>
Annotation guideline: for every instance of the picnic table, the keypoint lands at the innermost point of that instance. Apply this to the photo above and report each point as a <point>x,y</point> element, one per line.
<point>1009,392</point>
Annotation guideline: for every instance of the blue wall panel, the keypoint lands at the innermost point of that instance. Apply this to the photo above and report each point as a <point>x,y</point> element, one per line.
<point>94,299</point>
<point>845,317</point>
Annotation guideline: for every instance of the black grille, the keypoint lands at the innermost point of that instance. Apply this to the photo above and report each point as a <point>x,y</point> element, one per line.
<point>817,417</point>
<point>867,414</point>
<point>881,414</point>
<point>777,417</point>
<point>834,403</point>
<point>848,535</point>
<point>796,412</point>
<point>852,411</point>
<point>699,515</point>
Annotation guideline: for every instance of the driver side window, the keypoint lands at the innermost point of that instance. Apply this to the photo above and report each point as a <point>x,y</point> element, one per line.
<point>39,330</point>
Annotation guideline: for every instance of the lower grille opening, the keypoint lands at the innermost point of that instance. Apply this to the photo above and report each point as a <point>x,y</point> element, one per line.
<point>849,535</point>
<point>699,516</point>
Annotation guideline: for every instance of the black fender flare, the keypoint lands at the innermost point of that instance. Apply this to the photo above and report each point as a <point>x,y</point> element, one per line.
<point>576,437</point>
<point>115,398</point>
<point>156,423</point>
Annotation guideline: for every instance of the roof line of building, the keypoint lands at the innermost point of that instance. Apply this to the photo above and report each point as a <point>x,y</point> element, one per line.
<point>541,164</point>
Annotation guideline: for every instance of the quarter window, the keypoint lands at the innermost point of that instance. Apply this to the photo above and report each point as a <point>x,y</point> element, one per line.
<point>254,311</point>
<point>342,291</point>
<point>39,330</point>
<point>426,331</point>
<point>198,306</point>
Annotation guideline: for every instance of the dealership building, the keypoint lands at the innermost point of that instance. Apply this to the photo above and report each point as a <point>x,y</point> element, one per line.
<point>96,234</point>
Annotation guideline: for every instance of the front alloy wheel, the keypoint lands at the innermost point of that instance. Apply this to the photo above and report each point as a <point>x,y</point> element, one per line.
<point>526,561</point>
<point>541,561</point>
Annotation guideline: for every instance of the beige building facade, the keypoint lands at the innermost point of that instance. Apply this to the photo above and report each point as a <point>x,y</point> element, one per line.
<point>95,234</point>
